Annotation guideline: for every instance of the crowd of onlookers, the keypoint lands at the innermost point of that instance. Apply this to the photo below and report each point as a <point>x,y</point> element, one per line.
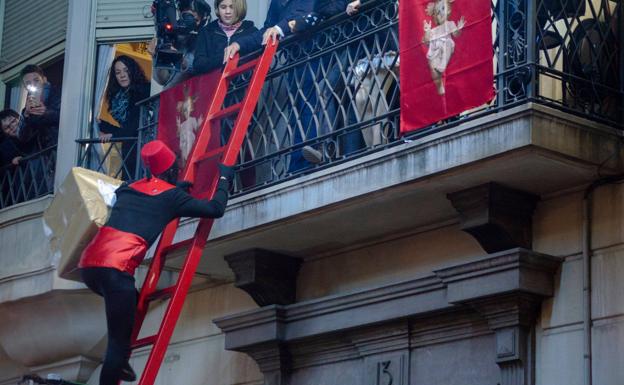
<point>35,128</point>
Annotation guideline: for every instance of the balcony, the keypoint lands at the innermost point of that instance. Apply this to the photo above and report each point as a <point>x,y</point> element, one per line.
<point>31,179</point>
<point>555,123</point>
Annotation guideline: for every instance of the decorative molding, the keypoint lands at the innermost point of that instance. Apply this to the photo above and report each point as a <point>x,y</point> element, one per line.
<point>323,350</point>
<point>382,339</point>
<point>335,313</point>
<point>457,325</point>
<point>499,294</point>
<point>512,270</point>
<point>269,278</point>
<point>498,217</point>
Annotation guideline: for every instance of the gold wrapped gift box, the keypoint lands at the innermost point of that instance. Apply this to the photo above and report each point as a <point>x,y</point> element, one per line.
<point>78,209</point>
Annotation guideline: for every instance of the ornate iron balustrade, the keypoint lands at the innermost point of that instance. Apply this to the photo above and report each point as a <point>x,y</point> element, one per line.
<point>31,179</point>
<point>336,89</point>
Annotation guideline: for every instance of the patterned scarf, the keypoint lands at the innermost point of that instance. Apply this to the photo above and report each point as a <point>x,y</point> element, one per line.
<point>230,29</point>
<point>120,105</point>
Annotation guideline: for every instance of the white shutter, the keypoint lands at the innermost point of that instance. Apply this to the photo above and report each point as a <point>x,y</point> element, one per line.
<point>31,27</point>
<point>123,14</point>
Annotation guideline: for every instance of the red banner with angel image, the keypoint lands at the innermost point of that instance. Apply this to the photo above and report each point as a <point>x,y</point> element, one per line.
<point>182,112</point>
<point>447,59</point>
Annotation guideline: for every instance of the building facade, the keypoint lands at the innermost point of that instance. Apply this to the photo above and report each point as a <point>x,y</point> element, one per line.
<point>485,249</point>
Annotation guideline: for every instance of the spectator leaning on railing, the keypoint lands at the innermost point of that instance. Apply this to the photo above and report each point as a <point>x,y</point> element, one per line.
<point>12,149</point>
<point>216,36</point>
<point>42,110</point>
<point>276,25</point>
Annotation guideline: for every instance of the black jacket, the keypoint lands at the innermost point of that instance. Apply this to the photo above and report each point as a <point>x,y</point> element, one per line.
<point>329,8</point>
<point>11,147</point>
<point>44,128</point>
<point>131,127</point>
<point>280,13</point>
<point>211,43</point>
<point>146,215</point>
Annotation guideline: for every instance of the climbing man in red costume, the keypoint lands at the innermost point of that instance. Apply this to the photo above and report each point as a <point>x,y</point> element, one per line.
<point>142,210</point>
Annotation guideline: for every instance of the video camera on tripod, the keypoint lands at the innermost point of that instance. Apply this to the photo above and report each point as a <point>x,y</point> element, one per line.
<point>177,23</point>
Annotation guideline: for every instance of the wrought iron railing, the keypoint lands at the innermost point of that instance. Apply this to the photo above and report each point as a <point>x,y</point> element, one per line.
<point>336,89</point>
<point>32,178</point>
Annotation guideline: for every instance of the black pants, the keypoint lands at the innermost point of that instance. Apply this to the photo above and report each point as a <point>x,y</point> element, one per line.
<point>120,298</point>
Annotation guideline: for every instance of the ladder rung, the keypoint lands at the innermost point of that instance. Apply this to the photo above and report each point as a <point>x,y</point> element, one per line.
<point>177,246</point>
<point>209,154</point>
<point>144,342</point>
<point>242,69</point>
<point>162,293</point>
<point>231,110</point>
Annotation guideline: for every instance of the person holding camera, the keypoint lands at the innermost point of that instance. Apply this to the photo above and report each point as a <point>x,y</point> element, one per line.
<point>216,36</point>
<point>181,42</point>
<point>140,213</point>
<point>42,111</point>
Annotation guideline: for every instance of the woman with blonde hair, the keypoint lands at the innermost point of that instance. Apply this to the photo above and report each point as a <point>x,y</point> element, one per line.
<point>219,34</point>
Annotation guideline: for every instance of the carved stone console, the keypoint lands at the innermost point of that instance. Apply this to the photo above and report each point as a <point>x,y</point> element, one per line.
<point>510,298</point>
<point>269,278</point>
<point>463,325</point>
<point>498,217</point>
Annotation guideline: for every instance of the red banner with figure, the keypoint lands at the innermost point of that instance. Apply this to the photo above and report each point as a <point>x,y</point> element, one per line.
<point>446,59</point>
<point>182,111</point>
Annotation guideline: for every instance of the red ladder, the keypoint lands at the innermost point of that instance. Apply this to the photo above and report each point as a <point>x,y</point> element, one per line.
<point>228,153</point>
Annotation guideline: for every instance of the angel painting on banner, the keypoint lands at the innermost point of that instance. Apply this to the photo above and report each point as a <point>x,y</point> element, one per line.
<point>187,126</point>
<point>447,66</point>
<point>440,39</point>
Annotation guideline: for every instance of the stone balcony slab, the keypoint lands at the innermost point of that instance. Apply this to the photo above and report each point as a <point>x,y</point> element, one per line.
<point>398,190</point>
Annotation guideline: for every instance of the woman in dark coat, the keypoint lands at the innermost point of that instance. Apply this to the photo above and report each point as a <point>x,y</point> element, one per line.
<point>216,36</point>
<point>127,85</point>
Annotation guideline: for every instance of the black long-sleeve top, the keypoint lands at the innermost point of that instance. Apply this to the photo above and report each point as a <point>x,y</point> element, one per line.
<point>147,215</point>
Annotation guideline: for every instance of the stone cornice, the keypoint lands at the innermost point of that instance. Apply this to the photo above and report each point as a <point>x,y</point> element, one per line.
<point>516,273</point>
<point>516,270</point>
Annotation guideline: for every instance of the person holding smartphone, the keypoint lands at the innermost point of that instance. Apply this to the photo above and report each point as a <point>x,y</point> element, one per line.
<point>42,110</point>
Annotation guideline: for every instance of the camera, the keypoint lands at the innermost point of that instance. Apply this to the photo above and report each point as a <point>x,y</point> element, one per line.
<point>177,24</point>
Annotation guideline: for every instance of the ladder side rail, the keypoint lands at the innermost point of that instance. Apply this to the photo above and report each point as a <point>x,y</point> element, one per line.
<point>202,232</point>
<point>249,104</point>
<point>174,309</point>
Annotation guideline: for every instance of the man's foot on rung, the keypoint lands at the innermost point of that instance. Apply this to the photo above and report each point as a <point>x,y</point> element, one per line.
<point>127,373</point>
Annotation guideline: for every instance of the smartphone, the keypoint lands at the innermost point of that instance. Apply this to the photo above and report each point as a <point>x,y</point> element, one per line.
<point>33,96</point>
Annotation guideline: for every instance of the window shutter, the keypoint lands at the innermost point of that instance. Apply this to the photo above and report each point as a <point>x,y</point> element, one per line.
<point>123,13</point>
<point>31,27</point>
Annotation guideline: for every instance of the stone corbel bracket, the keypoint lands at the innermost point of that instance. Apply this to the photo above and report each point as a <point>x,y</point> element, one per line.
<point>498,217</point>
<point>269,278</point>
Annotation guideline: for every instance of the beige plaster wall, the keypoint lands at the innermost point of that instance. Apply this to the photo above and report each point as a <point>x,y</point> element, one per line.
<point>557,228</point>
<point>558,231</point>
<point>386,262</point>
